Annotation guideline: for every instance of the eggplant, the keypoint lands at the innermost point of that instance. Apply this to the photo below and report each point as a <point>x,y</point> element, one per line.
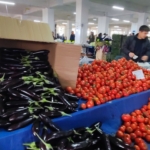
<point>17,103</point>
<point>18,95</point>
<point>40,52</point>
<point>4,123</point>
<point>40,68</point>
<point>29,93</point>
<point>2,68</point>
<point>2,108</point>
<point>48,122</point>
<point>20,115</point>
<point>120,144</point>
<point>21,124</point>
<point>36,127</point>
<point>10,59</point>
<point>19,68</point>
<point>62,144</point>
<point>57,135</point>
<point>19,74</point>
<point>71,97</point>
<point>11,83</point>
<point>13,111</point>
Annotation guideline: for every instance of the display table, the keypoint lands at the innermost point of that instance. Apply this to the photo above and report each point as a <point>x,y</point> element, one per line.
<point>108,113</point>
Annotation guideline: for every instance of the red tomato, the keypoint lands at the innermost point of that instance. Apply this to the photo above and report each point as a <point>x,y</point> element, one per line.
<point>138,133</point>
<point>126,117</point>
<point>119,134</point>
<point>140,118</point>
<point>147,138</point>
<point>83,106</point>
<point>129,130</point>
<point>133,136</point>
<point>122,128</point>
<point>136,147</point>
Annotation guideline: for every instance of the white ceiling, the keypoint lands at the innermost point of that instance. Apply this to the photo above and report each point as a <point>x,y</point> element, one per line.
<point>63,9</point>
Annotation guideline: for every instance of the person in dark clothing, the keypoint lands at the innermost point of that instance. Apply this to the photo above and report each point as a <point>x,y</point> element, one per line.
<point>137,47</point>
<point>72,36</point>
<point>91,37</point>
<point>99,37</point>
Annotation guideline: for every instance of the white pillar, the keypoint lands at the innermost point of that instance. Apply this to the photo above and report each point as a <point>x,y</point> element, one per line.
<point>48,17</point>
<point>103,25</point>
<point>134,28</point>
<point>142,20</point>
<point>69,29</point>
<point>81,21</point>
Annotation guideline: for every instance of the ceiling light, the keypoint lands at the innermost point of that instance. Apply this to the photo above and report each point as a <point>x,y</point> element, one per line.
<point>73,24</point>
<point>126,21</point>
<point>94,19</point>
<point>114,19</point>
<point>91,23</point>
<point>37,21</point>
<point>74,13</point>
<point>64,23</point>
<point>117,7</point>
<point>7,3</point>
<point>118,29</point>
<point>116,26</point>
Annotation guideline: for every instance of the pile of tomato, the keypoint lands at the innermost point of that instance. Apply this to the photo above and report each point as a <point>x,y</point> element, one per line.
<point>136,128</point>
<point>103,81</point>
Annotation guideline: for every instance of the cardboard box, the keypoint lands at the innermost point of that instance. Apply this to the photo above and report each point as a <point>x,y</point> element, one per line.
<point>64,58</point>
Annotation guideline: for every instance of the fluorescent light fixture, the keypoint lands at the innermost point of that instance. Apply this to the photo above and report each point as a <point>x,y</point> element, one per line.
<point>117,7</point>
<point>126,21</point>
<point>90,23</point>
<point>96,27</point>
<point>64,23</point>
<point>74,13</point>
<point>116,26</point>
<point>114,19</point>
<point>7,3</point>
<point>37,21</point>
<point>94,19</point>
<point>73,24</point>
<point>118,29</point>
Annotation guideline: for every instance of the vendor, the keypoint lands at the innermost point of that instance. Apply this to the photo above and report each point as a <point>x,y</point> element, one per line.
<point>137,47</point>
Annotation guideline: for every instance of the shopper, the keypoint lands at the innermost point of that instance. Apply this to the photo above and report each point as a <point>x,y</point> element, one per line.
<point>137,47</point>
<point>99,37</point>
<point>72,36</point>
<point>91,38</point>
<point>53,34</point>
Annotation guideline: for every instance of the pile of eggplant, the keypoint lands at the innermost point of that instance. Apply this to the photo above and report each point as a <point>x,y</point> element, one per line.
<point>92,138</point>
<point>30,90</point>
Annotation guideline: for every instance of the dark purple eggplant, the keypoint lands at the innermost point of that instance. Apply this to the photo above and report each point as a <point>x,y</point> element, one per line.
<point>36,127</point>
<point>62,144</point>
<point>13,65</point>
<point>40,52</point>
<point>29,93</point>
<point>12,111</point>
<point>37,90</point>
<point>71,97</point>
<point>17,103</point>
<point>2,68</point>
<point>58,135</point>
<point>19,74</point>
<point>4,123</point>
<point>40,68</point>
<point>20,115</point>
<point>19,68</point>
<point>18,95</point>
<point>2,108</point>
<point>21,124</point>
<point>48,122</point>
<point>7,73</point>
<point>11,84</point>
<point>12,98</point>
<point>10,59</point>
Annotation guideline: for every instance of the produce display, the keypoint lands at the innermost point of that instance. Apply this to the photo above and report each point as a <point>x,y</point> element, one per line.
<point>30,91</point>
<point>92,138</point>
<point>136,128</point>
<point>103,81</point>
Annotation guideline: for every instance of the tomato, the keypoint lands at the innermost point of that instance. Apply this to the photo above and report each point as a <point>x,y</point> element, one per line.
<point>69,89</point>
<point>143,128</point>
<point>147,138</point>
<point>127,124</point>
<point>133,126</point>
<point>138,140</point>
<point>119,134</point>
<point>122,128</point>
<point>129,130</point>
<point>83,106</point>
<point>138,133</point>
<point>133,136</point>
<point>126,117</point>
<point>142,146</point>
<point>138,112</point>
<point>136,147</point>
<point>89,104</point>
<point>133,119</point>
<point>127,140</point>
<point>140,118</point>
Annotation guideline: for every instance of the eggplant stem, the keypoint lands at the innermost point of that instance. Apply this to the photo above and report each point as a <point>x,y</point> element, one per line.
<point>70,139</point>
<point>75,132</point>
<point>2,78</point>
<point>50,108</point>
<point>90,131</point>
<point>31,145</point>
<point>64,114</point>
<point>48,146</point>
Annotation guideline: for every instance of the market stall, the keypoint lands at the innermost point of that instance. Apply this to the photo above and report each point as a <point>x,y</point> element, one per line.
<point>109,114</point>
